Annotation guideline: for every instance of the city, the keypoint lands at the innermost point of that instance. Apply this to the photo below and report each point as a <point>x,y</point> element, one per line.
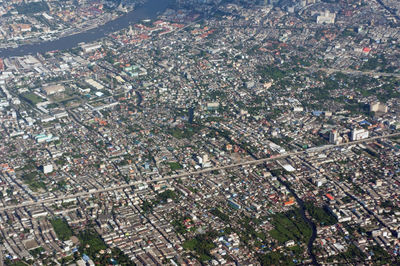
<point>214,132</point>
<point>25,22</point>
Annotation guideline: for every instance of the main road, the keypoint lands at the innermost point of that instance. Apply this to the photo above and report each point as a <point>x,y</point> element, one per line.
<point>355,72</point>
<point>187,174</point>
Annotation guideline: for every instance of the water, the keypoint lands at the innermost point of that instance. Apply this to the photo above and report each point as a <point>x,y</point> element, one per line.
<point>310,223</point>
<point>150,10</point>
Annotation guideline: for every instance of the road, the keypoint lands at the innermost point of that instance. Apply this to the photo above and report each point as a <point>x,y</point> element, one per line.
<point>187,174</point>
<point>355,72</point>
<point>389,9</point>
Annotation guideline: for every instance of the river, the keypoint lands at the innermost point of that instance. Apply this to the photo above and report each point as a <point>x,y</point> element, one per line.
<point>149,10</point>
<point>310,223</point>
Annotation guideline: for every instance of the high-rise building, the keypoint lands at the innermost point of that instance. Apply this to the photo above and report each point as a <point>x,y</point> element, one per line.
<point>47,168</point>
<point>359,133</point>
<point>205,158</point>
<point>333,136</point>
<point>326,18</point>
<point>378,107</point>
<point>271,2</point>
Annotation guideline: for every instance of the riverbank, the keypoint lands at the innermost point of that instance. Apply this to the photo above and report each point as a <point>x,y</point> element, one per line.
<point>149,10</point>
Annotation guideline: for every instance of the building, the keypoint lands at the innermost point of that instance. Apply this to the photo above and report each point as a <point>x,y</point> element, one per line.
<point>94,84</point>
<point>290,243</point>
<point>358,134</point>
<point>307,2</point>
<point>329,196</point>
<point>326,18</point>
<point>43,138</point>
<point>206,161</point>
<point>47,168</point>
<point>53,89</point>
<point>234,204</point>
<point>319,180</point>
<point>298,109</point>
<point>271,2</point>
<point>87,48</point>
<point>333,136</point>
<point>21,28</point>
<point>378,107</point>
<point>212,106</point>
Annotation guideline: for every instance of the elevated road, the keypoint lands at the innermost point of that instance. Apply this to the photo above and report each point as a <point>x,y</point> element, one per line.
<point>354,72</point>
<point>392,11</point>
<point>187,174</point>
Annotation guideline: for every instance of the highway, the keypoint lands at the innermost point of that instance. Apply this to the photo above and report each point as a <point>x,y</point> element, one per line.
<point>203,171</point>
<point>389,9</point>
<point>355,72</point>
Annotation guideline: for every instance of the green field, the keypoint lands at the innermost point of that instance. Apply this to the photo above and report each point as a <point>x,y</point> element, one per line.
<point>61,228</point>
<point>201,245</point>
<point>175,166</point>
<point>32,179</point>
<point>32,8</point>
<point>320,214</point>
<point>184,133</point>
<point>290,226</point>
<point>32,98</point>
<point>91,243</point>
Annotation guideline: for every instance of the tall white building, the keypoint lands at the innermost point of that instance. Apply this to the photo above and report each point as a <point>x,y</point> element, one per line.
<point>47,168</point>
<point>358,134</point>
<point>326,18</point>
<point>333,136</point>
<point>378,107</point>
